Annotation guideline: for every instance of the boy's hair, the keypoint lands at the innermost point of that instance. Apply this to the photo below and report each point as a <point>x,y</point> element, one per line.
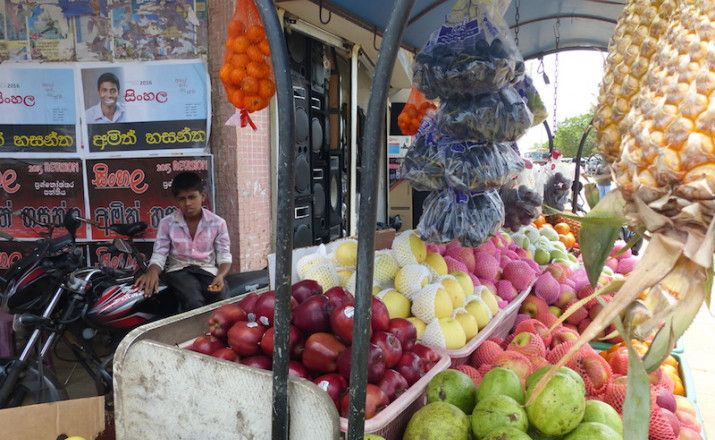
<point>107,77</point>
<point>187,181</point>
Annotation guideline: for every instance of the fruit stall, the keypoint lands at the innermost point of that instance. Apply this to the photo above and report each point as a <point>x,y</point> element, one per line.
<point>501,315</point>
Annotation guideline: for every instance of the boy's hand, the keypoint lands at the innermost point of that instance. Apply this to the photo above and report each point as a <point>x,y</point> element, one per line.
<point>149,282</point>
<point>217,284</point>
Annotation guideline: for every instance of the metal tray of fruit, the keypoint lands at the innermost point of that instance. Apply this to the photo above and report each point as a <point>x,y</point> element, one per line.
<point>164,391</point>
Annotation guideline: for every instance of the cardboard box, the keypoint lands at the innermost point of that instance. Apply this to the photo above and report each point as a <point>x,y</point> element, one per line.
<point>47,421</point>
<point>400,202</point>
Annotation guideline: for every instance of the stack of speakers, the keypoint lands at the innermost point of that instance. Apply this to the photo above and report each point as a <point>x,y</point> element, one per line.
<point>318,169</point>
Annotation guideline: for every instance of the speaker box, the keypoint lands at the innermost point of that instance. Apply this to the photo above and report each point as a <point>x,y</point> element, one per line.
<point>298,53</point>
<point>335,196</point>
<point>318,70</point>
<point>319,126</point>
<point>303,223</point>
<point>321,217</point>
<point>302,138</point>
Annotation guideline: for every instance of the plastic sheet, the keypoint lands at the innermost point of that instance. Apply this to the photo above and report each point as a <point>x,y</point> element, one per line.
<point>472,166</point>
<point>521,206</point>
<point>416,108</point>
<point>531,97</point>
<point>470,218</point>
<point>496,117</point>
<point>422,166</point>
<point>473,57</point>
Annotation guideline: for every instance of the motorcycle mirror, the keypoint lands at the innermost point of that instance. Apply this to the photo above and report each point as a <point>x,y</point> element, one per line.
<point>71,223</point>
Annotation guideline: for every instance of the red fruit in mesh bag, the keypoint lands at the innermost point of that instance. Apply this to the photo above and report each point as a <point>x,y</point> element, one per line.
<point>578,315</point>
<point>663,425</point>
<point>496,339</point>
<point>472,372</point>
<point>454,265</point>
<point>616,393</point>
<point>486,354</point>
<point>539,362</point>
<point>562,334</point>
<point>463,255</point>
<point>528,344</point>
<point>536,327</point>
<point>619,361</point>
<point>562,349</point>
<point>516,362</point>
<point>484,369</point>
<point>595,371</point>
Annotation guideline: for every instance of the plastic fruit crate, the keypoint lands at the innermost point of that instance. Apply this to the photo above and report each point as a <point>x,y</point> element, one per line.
<point>500,326</point>
<point>391,422</point>
<point>686,376</point>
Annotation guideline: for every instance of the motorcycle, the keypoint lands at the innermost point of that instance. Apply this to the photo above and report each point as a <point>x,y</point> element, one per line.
<point>55,298</point>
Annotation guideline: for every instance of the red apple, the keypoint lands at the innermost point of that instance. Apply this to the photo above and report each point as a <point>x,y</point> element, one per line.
<point>375,363</point>
<point>297,369</point>
<point>390,346</point>
<point>206,344</point>
<point>405,331</point>
<point>337,297</point>
<point>429,357</point>
<point>244,337</point>
<point>375,401</point>
<point>260,361</point>
<point>224,318</point>
<point>380,320</point>
<point>333,384</point>
<point>267,340</point>
<point>225,353</point>
<point>341,322</point>
<point>266,306</point>
<point>321,352</point>
<point>311,316</point>
<point>304,289</point>
<point>393,384</point>
<point>410,367</point>
<point>248,303</point>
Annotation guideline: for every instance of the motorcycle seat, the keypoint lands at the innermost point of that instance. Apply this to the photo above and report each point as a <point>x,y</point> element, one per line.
<point>129,229</point>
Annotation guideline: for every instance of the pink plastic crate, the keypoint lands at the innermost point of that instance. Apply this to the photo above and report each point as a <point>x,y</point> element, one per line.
<point>392,421</point>
<point>499,326</point>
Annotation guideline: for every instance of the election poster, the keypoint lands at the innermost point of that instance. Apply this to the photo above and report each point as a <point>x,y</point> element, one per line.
<point>128,190</point>
<point>99,254</point>
<point>37,109</point>
<point>43,189</point>
<point>141,107</point>
<point>12,251</point>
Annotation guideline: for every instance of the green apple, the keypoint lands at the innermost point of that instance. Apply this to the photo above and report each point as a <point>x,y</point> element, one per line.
<point>542,257</point>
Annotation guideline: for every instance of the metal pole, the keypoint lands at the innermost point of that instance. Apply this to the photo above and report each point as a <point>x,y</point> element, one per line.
<point>551,137</point>
<point>577,175</point>
<point>284,222</point>
<point>372,148</point>
<point>354,55</point>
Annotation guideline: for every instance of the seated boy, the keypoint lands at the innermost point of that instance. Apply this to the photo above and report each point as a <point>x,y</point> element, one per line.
<point>190,244</point>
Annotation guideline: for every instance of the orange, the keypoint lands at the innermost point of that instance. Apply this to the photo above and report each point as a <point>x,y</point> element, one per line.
<point>257,69</point>
<point>410,110</point>
<point>562,228</point>
<point>255,103</point>
<point>679,389</point>
<point>225,74</point>
<point>238,74</point>
<point>241,44</point>
<point>265,48</point>
<point>255,54</point>
<point>240,60</point>
<point>670,360</point>
<point>249,85</point>
<point>266,88</point>
<point>236,98</point>
<point>256,33</point>
<point>236,28</point>
<point>539,221</point>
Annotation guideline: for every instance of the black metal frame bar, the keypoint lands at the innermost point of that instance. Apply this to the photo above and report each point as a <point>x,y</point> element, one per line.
<point>577,175</point>
<point>372,148</point>
<point>564,17</point>
<point>284,222</point>
<point>549,135</point>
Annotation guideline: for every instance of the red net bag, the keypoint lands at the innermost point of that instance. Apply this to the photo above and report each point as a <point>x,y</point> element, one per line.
<point>247,74</point>
<point>415,109</point>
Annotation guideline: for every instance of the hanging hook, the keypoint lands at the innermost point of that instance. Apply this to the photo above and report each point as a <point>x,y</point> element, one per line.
<point>541,70</point>
<point>320,13</point>
<point>374,39</point>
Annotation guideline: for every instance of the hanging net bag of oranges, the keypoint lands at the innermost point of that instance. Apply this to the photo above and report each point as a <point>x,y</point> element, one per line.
<point>246,73</point>
<point>416,107</point>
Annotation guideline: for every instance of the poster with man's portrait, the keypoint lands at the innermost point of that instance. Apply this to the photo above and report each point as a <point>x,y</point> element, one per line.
<point>140,106</point>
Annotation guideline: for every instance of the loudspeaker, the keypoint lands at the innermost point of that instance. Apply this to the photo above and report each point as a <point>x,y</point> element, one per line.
<point>318,69</point>
<point>319,126</point>
<point>302,138</point>
<point>302,223</point>
<point>297,45</point>
<point>321,221</point>
<point>335,196</point>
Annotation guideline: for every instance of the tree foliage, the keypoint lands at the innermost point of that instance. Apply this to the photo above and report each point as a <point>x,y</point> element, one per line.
<point>568,136</point>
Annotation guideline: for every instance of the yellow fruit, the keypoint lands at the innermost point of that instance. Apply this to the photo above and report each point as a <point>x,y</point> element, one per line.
<point>479,309</point>
<point>468,323</point>
<point>325,275</point>
<point>419,325</point>
<point>435,262</point>
<point>432,302</point>
<point>307,262</point>
<point>411,279</point>
<point>409,248</point>
<point>386,267</point>
<point>454,290</point>
<point>445,333</point>
<point>398,306</point>
<point>488,297</point>
<point>344,276</point>
<point>346,253</point>
<point>466,282</point>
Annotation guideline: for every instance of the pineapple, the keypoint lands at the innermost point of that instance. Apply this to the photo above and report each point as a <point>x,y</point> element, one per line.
<point>630,54</point>
<point>665,171</point>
